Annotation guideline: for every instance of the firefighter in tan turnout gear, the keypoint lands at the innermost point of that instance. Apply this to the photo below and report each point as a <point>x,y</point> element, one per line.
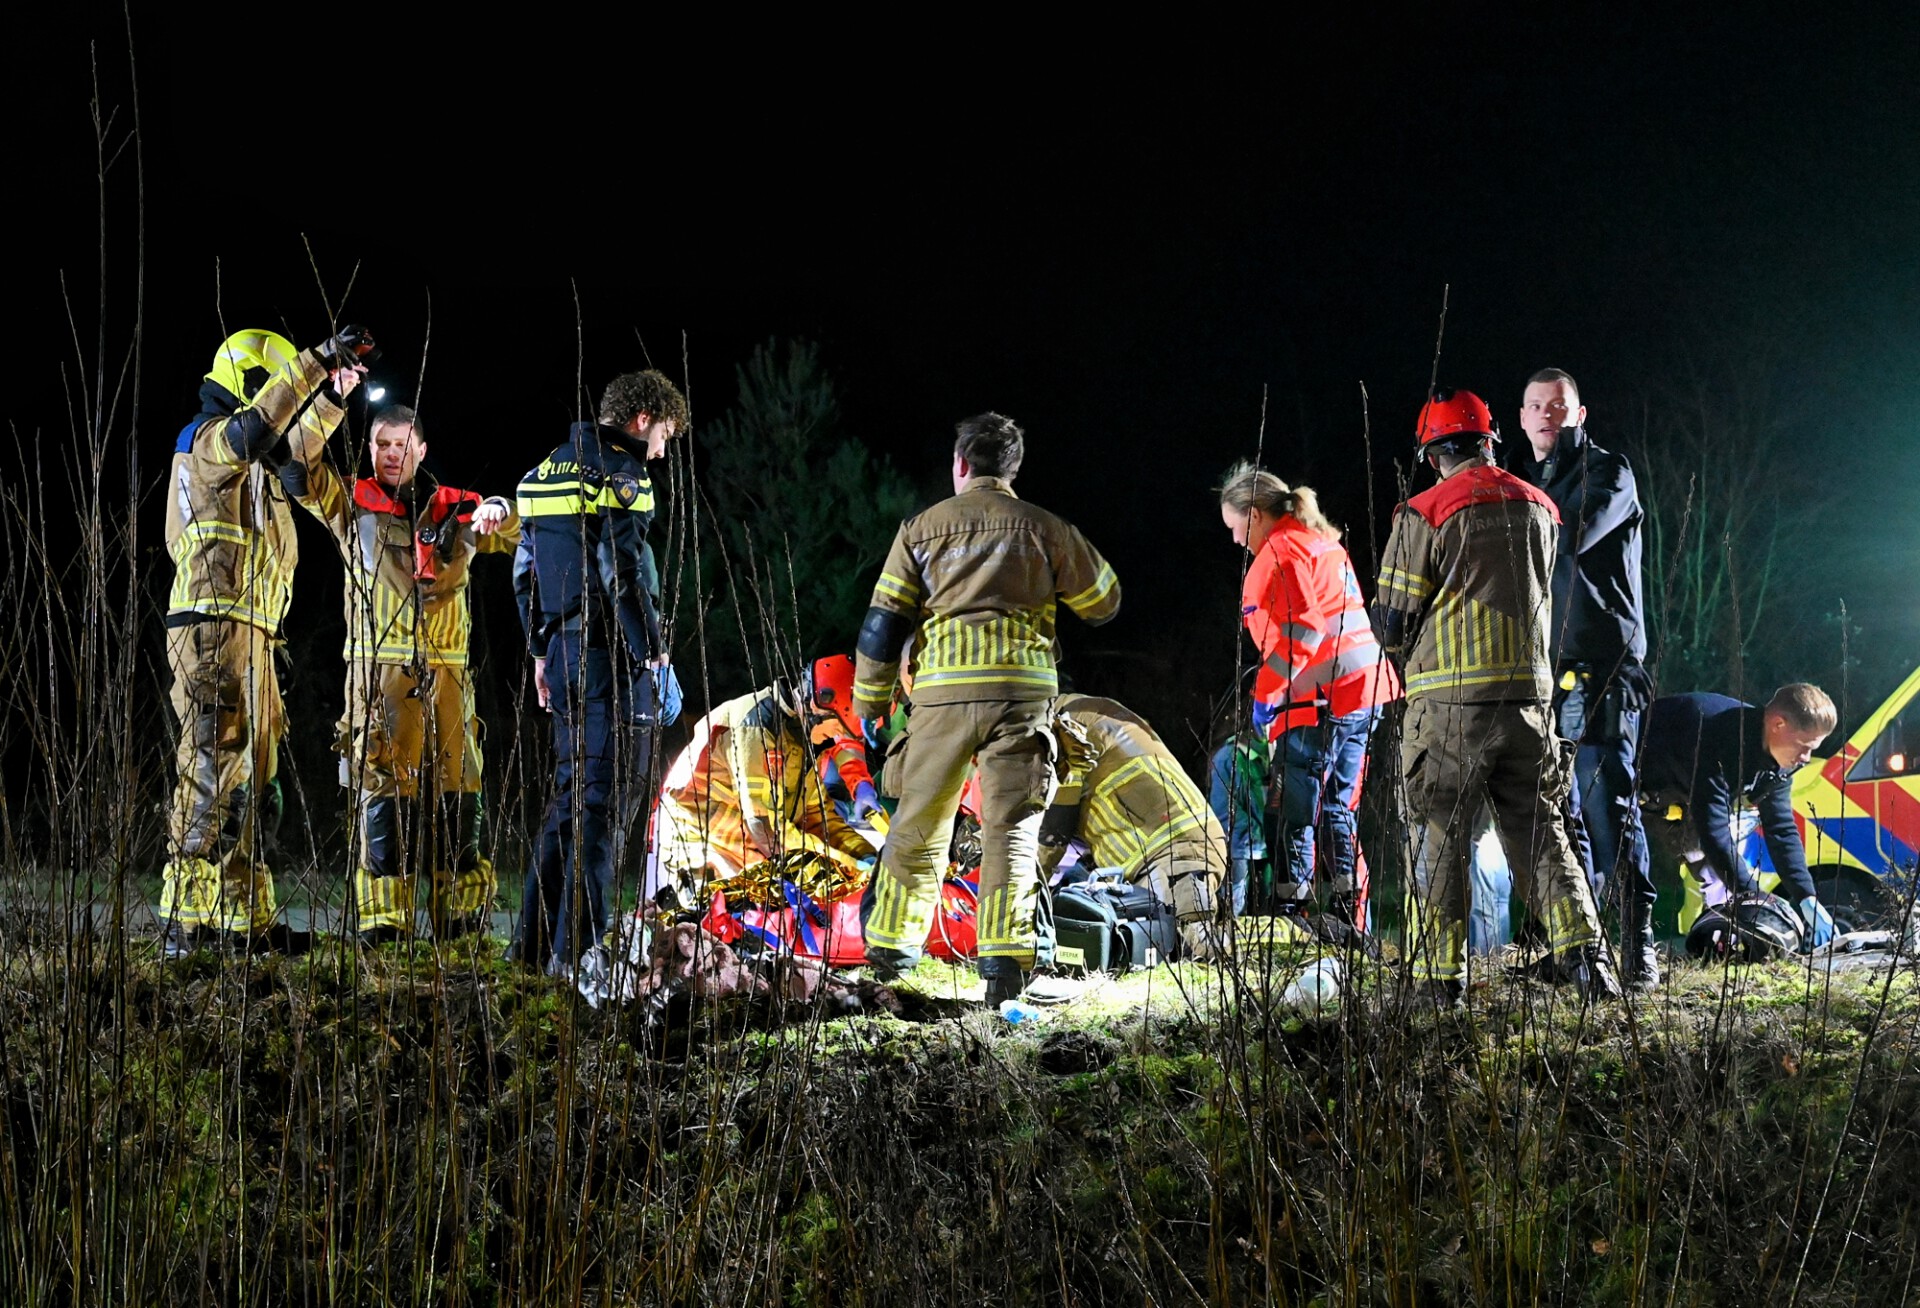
<point>974,580</point>
<point>266,411</point>
<point>1128,798</point>
<point>410,728</point>
<point>1463,599</point>
<point>746,788</point>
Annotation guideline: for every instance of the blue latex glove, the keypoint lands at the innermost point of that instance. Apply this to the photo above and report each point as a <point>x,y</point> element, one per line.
<point>1264,715</point>
<point>870,731</point>
<point>667,694</point>
<point>1819,921</point>
<point>866,800</point>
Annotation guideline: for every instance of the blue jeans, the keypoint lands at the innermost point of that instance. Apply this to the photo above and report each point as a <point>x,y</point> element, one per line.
<point>604,722</point>
<point>1612,844</point>
<point>1239,872</point>
<point>1489,921</point>
<point>1319,775</point>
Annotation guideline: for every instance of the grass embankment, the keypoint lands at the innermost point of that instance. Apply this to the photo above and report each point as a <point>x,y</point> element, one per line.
<point>406,1128</point>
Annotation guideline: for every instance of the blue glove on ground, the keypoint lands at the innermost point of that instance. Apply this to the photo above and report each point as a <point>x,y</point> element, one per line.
<point>1819,921</point>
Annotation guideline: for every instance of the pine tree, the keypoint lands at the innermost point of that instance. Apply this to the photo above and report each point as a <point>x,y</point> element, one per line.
<point>795,519</point>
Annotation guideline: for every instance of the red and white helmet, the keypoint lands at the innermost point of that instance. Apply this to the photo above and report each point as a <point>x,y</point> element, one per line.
<point>1449,414</point>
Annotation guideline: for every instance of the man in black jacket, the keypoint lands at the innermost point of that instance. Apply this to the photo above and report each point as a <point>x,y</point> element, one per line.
<point>1707,754</point>
<point>589,600</point>
<point>1599,645</point>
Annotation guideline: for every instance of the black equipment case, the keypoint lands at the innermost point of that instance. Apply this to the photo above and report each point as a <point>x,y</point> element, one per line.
<point>1105,924</point>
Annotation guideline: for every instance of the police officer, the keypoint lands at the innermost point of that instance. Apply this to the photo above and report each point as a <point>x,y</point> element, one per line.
<point>589,600</point>
<point>1599,645</point>
<point>1705,755</point>
<point>410,723</point>
<point>266,411</point>
<point>974,580</point>
<point>1463,600</point>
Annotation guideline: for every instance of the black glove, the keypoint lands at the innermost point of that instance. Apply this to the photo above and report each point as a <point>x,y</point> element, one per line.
<point>347,347</point>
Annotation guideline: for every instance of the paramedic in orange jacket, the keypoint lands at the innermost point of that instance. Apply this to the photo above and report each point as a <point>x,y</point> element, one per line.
<point>1322,680</point>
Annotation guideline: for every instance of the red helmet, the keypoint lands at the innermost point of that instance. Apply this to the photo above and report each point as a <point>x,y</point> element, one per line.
<point>1450,413</point>
<point>830,687</point>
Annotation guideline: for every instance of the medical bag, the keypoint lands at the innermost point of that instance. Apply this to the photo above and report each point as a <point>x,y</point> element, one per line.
<point>1107,924</point>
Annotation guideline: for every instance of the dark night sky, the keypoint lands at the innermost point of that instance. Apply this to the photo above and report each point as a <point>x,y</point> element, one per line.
<point>1118,235</point>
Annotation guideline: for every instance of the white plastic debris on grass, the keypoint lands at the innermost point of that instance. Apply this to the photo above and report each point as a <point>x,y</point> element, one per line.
<point>1316,991</point>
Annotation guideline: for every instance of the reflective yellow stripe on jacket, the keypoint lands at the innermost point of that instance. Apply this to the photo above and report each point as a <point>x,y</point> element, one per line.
<point>572,496</point>
<point>262,590</point>
<point>403,629</point>
<point>1113,827</point>
<point>1008,648</point>
<point>1475,645</point>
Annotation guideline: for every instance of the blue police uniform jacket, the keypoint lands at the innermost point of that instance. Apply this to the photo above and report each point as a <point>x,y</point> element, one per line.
<point>1710,751</point>
<point>583,561</point>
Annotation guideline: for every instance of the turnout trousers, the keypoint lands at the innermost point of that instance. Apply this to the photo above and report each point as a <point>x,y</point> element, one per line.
<point>1015,750</point>
<point>1454,757</point>
<point>410,745</point>
<point>226,697</point>
<point>603,742</point>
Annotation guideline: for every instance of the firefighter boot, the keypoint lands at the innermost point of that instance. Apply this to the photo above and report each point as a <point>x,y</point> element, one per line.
<point>461,899</point>
<point>382,893</point>
<point>1005,979</point>
<point>1587,970</point>
<point>1639,957</point>
<point>189,904</point>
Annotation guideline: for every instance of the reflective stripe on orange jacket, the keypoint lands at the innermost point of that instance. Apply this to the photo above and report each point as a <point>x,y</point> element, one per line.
<point>1302,605</point>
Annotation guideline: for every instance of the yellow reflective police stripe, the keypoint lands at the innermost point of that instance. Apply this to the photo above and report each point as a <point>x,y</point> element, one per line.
<point>609,498</point>
<point>548,501</point>
<point>561,503</point>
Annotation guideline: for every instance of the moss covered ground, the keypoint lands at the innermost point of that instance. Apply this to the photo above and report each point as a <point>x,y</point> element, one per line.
<point>412,1126</point>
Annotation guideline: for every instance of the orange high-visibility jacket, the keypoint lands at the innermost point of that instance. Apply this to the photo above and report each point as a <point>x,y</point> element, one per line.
<point>1302,605</point>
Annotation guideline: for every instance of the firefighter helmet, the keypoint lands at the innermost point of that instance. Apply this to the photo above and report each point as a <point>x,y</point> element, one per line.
<point>830,688</point>
<point>1449,415</point>
<point>246,359</point>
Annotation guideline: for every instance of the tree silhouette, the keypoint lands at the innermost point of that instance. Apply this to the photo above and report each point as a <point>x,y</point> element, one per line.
<point>794,520</point>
